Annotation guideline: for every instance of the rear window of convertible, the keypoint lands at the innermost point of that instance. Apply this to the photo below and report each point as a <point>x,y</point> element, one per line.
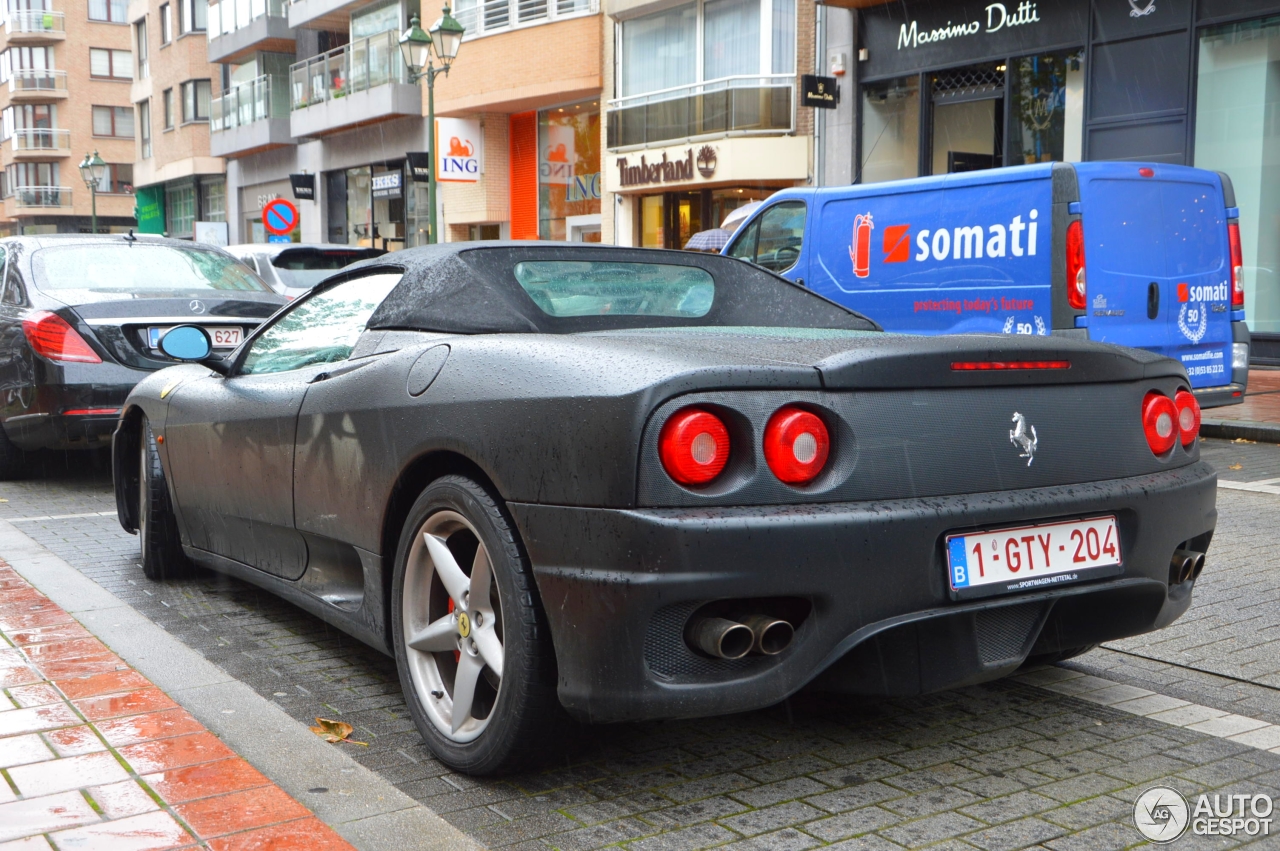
<point>569,288</point>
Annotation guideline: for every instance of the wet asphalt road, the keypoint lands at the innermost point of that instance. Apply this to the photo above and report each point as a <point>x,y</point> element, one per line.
<point>996,767</point>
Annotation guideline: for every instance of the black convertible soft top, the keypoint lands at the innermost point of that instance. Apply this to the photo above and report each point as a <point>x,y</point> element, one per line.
<point>469,288</point>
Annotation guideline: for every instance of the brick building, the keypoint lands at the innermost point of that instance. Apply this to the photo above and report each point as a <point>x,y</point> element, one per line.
<point>178,182</point>
<point>65,72</point>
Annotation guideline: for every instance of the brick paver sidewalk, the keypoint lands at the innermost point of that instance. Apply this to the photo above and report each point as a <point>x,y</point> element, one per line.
<point>93,756</point>
<point>1261,402</point>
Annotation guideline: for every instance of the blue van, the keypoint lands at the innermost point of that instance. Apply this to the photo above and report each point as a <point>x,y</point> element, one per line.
<point>1006,250</point>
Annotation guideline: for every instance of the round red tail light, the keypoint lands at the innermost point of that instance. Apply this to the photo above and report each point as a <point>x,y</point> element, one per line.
<point>693,446</point>
<point>796,445</point>
<point>1160,422</point>
<point>1188,416</point>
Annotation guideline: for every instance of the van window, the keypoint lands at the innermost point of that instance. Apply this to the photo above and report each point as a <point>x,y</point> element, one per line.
<point>774,239</point>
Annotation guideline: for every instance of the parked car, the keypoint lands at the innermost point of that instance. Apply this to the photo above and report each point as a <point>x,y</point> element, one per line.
<point>293,268</point>
<point>80,321</point>
<point>1007,249</point>
<point>626,484</point>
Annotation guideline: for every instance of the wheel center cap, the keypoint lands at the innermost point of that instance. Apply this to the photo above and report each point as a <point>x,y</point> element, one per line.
<point>464,624</point>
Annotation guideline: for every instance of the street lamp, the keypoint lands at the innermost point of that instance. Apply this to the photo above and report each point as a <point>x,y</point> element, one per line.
<point>93,169</point>
<point>416,46</point>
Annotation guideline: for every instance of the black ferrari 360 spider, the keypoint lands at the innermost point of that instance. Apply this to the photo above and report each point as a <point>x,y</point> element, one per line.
<point>612,484</point>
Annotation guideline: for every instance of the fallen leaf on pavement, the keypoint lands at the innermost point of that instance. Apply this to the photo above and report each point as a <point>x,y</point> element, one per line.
<point>1232,467</point>
<point>1243,440</point>
<point>335,731</point>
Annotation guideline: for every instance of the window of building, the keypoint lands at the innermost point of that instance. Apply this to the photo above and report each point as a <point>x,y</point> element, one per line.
<point>569,173</point>
<point>118,180</point>
<point>20,62</point>
<point>113,121</point>
<point>140,45</point>
<point>113,64</point>
<point>180,209</point>
<point>195,100</point>
<point>21,175</point>
<point>213,199</point>
<point>192,16</point>
<point>114,11</point>
<point>168,109</point>
<point>731,37</point>
<point>166,24</point>
<point>1236,132</point>
<point>144,128</point>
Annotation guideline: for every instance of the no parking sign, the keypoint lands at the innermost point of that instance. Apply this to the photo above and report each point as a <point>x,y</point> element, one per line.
<point>280,217</point>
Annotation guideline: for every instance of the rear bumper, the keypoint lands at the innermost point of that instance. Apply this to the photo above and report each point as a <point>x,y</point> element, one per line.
<point>619,585</point>
<point>1214,397</point>
<point>69,416</point>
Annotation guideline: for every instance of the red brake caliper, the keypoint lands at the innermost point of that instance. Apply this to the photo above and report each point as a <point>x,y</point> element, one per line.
<point>457,654</point>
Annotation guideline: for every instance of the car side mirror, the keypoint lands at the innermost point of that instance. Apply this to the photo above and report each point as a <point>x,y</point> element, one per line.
<point>191,344</point>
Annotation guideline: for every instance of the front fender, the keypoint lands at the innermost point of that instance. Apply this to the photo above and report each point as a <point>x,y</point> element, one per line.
<point>148,399</point>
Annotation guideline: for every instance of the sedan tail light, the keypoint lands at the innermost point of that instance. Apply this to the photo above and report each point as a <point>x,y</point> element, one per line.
<point>1237,266</point>
<point>1188,416</point>
<point>51,337</point>
<point>796,445</point>
<point>1075,265</point>
<point>693,446</point>
<point>1159,422</point>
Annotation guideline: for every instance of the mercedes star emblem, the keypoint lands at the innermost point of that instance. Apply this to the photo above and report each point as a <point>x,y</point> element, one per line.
<point>197,306</point>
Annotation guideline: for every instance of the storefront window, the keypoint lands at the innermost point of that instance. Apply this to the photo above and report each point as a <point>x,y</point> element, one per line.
<point>213,199</point>
<point>180,209</point>
<point>652,232</point>
<point>1238,91</point>
<point>890,130</point>
<point>1046,112</point>
<point>569,173</point>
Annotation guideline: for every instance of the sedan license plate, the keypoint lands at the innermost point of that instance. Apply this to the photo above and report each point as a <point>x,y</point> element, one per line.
<point>1030,557</point>
<point>223,336</point>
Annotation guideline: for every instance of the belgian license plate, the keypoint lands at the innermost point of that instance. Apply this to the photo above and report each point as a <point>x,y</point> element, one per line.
<point>1031,557</point>
<point>223,336</point>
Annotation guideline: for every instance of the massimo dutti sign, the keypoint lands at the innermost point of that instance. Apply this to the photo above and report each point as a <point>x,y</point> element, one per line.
<point>903,38</point>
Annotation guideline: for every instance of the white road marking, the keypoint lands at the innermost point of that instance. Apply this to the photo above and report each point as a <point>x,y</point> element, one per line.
<point>60,517</point>
<point>1257,487</point>
<point>1157,707</point>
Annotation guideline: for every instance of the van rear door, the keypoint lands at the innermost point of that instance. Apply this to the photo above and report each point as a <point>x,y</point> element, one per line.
<point>1157,263</point>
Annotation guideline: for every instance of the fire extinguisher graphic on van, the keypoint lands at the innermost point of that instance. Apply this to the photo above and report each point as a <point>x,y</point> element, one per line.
<point>860,249</point>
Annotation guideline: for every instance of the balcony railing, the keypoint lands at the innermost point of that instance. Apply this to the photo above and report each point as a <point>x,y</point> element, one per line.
<point>38,80</point>
<point>42,196</point>
<point>361,65</point>
<point>30,22</point>
<point>485,17</point>
<point>740,105</point>
<point>260,98</point>
<point>41,139</point>
<point>230,15</point>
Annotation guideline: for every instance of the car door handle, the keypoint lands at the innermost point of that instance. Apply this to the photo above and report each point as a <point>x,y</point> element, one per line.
<point>1153,300</point>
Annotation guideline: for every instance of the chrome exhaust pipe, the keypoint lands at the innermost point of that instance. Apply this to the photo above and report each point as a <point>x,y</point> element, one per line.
<point>724,639</point>
<point>1185,565</point>
<point>771,635</point>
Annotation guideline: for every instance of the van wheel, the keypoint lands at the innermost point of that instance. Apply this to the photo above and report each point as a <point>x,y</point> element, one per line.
<point>471,642</point>
<point>13,461</point>
<point>162,556</point>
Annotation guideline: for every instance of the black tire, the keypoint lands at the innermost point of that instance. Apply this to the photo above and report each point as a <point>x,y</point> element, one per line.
<point>13,461</point>
<point>524,720</point>
<point>1057,656</point>
<point>162,556</point>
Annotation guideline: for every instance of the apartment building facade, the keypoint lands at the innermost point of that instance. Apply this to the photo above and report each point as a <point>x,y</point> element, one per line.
<point>703,112</point>
<point>180,186</point>
<point>65,72</point>
<point>319,89</point>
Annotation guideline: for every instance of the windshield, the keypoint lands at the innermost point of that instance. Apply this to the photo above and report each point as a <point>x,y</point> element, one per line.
<point>563,288</point>
<point>141,268</point>
<point>303,269</point>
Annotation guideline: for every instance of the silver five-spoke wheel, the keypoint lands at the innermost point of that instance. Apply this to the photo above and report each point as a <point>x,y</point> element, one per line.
<point>452,618</point>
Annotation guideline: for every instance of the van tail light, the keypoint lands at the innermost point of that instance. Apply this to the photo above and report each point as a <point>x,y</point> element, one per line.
<point>1188,416</point>
<point>796,445</point>
<point>1159,422</point>
<point>1237,266</point>
<point>693,446</point>
<point>1075,265</point>
<point>51,337</point>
